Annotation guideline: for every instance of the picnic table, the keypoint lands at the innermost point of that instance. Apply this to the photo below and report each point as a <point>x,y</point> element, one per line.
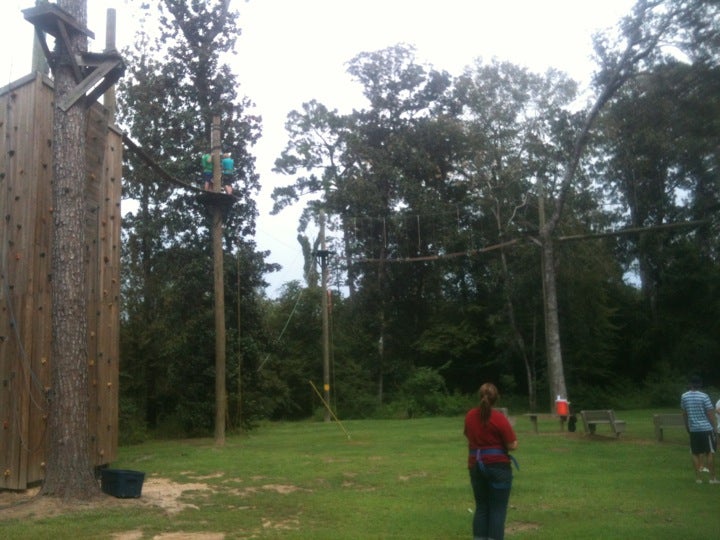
<point>591,419</point>
<point>664,421</point>
<point>534,416</point>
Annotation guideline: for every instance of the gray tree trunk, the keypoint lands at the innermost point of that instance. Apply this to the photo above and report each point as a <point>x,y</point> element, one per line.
<point>556,374</point>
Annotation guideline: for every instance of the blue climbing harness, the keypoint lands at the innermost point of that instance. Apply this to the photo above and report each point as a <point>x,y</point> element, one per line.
<point>479,452</point>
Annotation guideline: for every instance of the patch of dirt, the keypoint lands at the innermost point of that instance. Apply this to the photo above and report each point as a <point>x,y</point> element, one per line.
<point>158,492</point>
<point>137,535</point>
<point>285,525</point>
<point>405,478</point>
<point>519,527</point>
<point>277,488</point>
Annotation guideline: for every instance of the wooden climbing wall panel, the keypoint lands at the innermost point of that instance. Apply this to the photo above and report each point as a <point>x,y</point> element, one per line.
<point>26,112</point>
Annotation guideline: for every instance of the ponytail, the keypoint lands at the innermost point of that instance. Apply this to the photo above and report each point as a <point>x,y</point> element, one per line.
<point>488,396</point>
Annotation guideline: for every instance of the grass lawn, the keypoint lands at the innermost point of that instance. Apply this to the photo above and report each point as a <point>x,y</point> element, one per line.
<point>403,479</point>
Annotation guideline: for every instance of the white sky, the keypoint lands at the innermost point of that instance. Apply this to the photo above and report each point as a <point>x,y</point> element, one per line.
<point>292,51</point>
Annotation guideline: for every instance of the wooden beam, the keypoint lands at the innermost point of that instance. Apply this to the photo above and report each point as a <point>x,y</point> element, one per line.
<point>99,80</point>
<point>65,38</point>
<point>51,19</point>
<point>47,16</point>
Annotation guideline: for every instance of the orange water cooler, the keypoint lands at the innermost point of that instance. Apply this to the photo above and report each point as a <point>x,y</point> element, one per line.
<point>562,406</point>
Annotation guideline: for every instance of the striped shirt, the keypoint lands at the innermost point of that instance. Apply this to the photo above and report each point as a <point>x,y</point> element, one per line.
<point>696,404</point>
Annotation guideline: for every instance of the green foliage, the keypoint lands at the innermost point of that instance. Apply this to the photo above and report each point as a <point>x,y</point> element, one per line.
<point>424,391</point>
<point>131,423</point>
<point>381,171</point>
<point>663,387</point>
<point>175,83</point>
<point>432,197</point>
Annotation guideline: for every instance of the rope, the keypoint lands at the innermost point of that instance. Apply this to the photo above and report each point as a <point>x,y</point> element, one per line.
<point>287,323</point>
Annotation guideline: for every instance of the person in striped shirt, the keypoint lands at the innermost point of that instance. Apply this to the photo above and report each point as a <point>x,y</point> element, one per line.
<point>701,425</point>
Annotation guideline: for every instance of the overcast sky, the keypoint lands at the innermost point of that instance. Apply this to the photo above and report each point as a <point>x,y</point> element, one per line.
<point>292,51</point>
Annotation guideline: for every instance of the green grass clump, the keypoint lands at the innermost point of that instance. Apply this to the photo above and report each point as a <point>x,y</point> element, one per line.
<point>403,479</point>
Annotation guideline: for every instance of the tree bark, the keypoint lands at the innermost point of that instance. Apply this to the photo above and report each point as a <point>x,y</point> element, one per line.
<point>556,374</point>
<point>69,467</point>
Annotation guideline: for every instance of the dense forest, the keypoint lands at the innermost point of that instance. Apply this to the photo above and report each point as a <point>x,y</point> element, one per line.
<point>496,225</point>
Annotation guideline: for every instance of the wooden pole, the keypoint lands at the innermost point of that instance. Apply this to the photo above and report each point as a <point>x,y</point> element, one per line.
<point>219,286</point>
<point>109,99</point>
<point>39,62</point>
<point>325,321</point>
<point>239,345</point>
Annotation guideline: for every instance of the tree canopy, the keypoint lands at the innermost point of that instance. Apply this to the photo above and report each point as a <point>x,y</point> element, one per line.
<point>457,206</point>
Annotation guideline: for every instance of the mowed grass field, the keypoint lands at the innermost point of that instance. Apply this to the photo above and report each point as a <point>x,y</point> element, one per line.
<point>403,479</point>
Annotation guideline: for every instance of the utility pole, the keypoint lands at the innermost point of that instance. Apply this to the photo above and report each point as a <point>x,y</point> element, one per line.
<point>239,344</point>
<point>109,98</point>
<point>39,62</point>
<point>219,287</point>
<point>323,254</point>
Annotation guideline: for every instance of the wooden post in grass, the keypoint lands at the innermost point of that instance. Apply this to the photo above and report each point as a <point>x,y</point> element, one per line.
<point>323,254</point>
<point>217,222</point>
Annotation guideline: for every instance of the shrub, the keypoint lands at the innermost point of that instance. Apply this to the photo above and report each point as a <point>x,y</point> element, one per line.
<point>424,392</point>
<point>132,428</point>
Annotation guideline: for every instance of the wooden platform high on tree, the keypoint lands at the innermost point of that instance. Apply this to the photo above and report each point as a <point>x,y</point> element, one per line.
<point>211,199</point>
<point>215,199</point>
<point>94,73</point>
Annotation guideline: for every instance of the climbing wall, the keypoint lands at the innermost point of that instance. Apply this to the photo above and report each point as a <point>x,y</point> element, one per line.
<point>26,112</point>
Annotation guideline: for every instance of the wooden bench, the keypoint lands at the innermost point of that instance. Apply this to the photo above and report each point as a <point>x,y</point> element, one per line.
<point>545,416</point>
<point>606,416</point>
<point>662,421</point>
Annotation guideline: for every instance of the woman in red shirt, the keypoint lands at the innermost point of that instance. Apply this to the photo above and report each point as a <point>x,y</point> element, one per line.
<point>490,437</point>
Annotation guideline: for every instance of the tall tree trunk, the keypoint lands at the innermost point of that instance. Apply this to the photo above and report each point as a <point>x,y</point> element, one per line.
<point>69,469</point>
<point>381,337</point>
<point>556,375</point>
<point>642,38</point>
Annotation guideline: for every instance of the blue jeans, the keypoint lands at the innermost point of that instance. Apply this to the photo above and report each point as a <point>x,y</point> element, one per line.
<point>491,489</point>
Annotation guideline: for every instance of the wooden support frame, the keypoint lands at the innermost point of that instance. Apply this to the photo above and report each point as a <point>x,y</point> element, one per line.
<point>101,77</point>
<point>94,73</point>
<point>53,20</point>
